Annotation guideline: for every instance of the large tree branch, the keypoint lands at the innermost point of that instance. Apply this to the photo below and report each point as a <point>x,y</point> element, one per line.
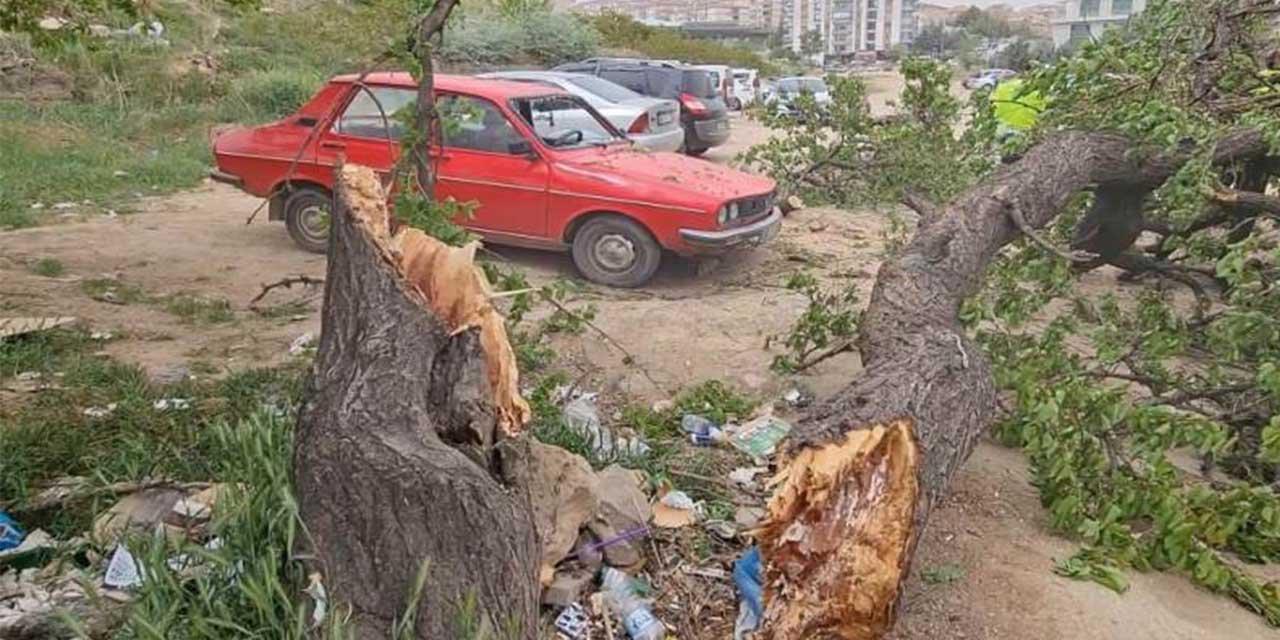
<point>866,467</point>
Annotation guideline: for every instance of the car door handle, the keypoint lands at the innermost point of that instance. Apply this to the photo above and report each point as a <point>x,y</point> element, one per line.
<point>333,145</point>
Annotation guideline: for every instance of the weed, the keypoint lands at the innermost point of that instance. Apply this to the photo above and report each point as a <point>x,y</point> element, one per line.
<point>827,326</point>
<point>715,401</point>
<point>49,436</point>
<point>199,310</point>
<point>48,267</point>
<point>942,574</point>
<point>112,290</point>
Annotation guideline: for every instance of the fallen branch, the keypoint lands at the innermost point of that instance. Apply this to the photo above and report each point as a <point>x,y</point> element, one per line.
<point>286,283</point>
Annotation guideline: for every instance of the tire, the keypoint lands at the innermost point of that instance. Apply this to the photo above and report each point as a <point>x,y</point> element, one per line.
<point>615,251</point>
<point>697,153</point>
<point>306,215</point>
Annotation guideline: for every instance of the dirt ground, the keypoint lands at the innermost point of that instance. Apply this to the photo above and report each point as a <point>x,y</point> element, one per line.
<point>685,327</point>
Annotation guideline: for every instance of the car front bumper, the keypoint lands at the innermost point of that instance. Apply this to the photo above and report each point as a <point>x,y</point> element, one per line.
<point>669,140</point>
<point>756,233</point>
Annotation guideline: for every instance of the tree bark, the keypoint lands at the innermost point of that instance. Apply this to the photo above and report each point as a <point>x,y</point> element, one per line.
<point>866,467</point>
<point>394,448</point>
<point>430,25</point>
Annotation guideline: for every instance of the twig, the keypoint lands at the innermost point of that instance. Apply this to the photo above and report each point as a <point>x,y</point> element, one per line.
<point>827,355</point>
<point>701,478</point>
<point>628,357</point>
<point>1015,215</point>
<point>287,283</point>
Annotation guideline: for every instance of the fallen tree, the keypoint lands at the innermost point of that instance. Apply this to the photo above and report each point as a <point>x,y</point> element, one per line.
<point>866,466</point>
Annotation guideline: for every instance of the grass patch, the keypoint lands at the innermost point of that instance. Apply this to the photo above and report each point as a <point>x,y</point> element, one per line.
<point>112,290</point>
<point>942,574</point>
<point>199,310</point>
<point>48,435</point>
<point>48,267</point>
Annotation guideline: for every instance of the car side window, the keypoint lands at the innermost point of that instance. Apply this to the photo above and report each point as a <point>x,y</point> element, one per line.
<point>475,124</point>
<point>372,112</point>
<point>631,79</point>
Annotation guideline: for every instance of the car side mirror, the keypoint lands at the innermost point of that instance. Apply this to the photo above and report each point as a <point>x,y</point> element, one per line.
<point>521,148</point>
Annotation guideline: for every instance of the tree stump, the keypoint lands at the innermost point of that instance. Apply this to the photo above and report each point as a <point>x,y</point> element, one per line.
<point>394,450</point>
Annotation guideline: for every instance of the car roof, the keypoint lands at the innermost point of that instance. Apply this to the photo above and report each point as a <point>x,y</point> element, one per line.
<point>535,74</point>
<point>491,88</point>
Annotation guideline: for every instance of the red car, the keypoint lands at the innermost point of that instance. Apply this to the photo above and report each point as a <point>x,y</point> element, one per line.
<point>544,169</point>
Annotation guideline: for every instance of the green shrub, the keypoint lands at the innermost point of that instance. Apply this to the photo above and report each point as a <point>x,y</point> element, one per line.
<point>276,93</point>
<point>486,38</point>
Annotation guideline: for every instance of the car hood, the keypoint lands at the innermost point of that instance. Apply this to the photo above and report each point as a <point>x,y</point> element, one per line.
<point>673,177</point>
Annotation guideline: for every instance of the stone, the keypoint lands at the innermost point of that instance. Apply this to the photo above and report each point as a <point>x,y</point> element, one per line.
<point>561,489</point>
<point>169,375</point>
<point>567,587</point>
<point>623,510</point>
<point>748,517</point>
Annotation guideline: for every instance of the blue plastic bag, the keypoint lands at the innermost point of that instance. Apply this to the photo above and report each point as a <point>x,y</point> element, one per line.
<point>748,576</point>
<point>11,535</point>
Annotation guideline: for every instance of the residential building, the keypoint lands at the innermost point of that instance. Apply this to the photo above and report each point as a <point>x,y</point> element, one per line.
<point>1088,19</point>
<point>740,13</point>
<point>848,27</point>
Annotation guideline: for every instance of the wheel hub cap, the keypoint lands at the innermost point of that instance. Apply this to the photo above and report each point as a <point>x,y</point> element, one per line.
<point>315,220</point>
<point>615,253</point>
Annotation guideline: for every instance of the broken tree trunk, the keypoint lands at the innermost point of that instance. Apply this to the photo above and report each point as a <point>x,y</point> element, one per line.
<point>866,467</point>
<point>394,448</point>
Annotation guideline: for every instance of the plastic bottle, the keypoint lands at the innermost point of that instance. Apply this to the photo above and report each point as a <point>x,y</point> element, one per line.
<point>637,619</point>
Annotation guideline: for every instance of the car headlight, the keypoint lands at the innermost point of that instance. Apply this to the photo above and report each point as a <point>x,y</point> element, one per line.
<point>723,216</point>
<point>733,211</point>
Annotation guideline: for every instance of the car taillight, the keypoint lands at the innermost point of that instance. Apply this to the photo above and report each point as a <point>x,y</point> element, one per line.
<point>641,125</point>
<point>692,104</point>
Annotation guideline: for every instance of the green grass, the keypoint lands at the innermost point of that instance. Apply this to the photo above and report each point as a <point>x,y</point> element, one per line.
<point>48,267</point>
<point>199,310</point>
<point>114,290</point>
<point>47,435</point>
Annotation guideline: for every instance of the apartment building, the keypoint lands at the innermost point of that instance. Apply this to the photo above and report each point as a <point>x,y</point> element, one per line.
<point>1088,19</point>
<point>741,13</point>
<point>847,27</point>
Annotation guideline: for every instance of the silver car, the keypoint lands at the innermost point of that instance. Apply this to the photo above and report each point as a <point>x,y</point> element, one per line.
<point>652,123</point>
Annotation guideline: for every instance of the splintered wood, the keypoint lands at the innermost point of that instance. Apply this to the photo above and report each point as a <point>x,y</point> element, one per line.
<point>449,284</point>
<point>839,535</point>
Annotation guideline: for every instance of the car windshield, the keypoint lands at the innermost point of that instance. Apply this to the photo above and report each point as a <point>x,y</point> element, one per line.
<point>607,90</point>
<point>699,83</point>
<point>565,122</point>
<point>802,85</point>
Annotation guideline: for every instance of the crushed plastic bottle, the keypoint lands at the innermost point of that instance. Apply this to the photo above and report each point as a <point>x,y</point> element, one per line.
<point>702,432</point>
<point>11,534</point>
<point>637,619</point>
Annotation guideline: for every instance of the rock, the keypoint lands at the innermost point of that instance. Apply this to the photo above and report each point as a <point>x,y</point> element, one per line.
<point>169,374</point>
<point>51,23</point>
<point>618,553</point>
<point>675,510</point>
<point>662,406</point>
<point>561,489</point>
<point>567,587</point>
<point>623,509</point>
<point>100,31</point>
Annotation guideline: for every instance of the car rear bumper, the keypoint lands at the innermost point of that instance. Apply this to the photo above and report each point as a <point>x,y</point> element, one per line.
<point>708,133</point>
<point>226,178</point>
<point>756,233</point>
<point>665,141</point>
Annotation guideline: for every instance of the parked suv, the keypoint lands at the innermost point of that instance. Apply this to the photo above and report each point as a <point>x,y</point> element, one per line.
<point>703,113</point>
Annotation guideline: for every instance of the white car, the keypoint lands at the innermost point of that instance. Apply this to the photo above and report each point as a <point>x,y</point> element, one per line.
<point>652,124</point>
<point>988,78</point>
<point>786,90</point>
<point>744,88</point>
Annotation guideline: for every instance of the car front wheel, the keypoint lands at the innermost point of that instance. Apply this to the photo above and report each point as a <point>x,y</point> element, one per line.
<point>306,214</point>
<point>615,251</point>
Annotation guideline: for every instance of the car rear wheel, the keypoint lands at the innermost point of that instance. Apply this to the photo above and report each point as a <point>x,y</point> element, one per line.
<point>306,214</point>
<point>615,251</point>
<point>697,153</point>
